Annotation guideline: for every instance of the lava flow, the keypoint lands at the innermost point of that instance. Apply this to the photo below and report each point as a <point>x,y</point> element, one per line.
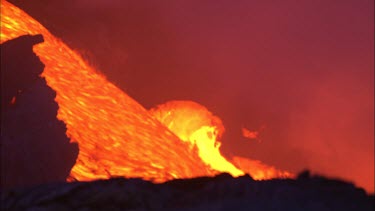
<point>116,135</point>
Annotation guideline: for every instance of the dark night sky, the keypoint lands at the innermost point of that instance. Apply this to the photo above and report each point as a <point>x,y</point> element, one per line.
<point>302,69</point>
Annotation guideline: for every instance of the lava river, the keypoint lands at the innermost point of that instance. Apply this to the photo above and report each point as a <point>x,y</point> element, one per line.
<point>116,135</point>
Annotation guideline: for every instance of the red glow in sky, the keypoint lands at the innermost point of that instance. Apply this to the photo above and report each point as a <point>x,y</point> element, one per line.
<point>304,69</point>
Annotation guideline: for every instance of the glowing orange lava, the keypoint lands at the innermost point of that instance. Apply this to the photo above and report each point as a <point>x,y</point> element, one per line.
<point>116,135</point>
<point>194,124</point>
<point>259,170</point>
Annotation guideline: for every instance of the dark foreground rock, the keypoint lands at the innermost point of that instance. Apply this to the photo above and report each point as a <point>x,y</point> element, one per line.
<point>34,147</point>
<point>222,192</point>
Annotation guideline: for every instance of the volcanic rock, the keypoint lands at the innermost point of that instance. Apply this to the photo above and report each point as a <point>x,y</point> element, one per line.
<point>34,147</point>
<point>222,192</point>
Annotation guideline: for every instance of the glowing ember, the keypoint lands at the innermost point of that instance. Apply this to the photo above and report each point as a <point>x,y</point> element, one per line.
<point>13,101</point>
<point>116,135</point>
<point>249,134</point>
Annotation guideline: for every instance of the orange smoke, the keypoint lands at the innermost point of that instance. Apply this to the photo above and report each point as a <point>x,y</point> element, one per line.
<point>116,135</point>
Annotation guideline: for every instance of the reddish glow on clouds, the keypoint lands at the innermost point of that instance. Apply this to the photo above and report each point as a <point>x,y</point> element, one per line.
<point>305,69</point>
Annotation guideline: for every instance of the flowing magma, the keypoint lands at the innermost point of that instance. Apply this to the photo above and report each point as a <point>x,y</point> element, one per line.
<point>116,135</point>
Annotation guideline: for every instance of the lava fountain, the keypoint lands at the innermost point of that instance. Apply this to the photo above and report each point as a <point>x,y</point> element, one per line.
<point>116,135</point>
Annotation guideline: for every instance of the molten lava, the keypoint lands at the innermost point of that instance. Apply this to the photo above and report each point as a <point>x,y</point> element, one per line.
<point>259,170</point>
<point>116,135</point>
<point>194,124</point>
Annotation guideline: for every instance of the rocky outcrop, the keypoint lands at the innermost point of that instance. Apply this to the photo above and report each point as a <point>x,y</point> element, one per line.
<point>222,192</point>
<point>34,147</point>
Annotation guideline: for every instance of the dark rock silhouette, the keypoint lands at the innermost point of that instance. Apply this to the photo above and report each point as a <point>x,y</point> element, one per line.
<point>219,193</point>
<point>20,67</point>
<point>305,174</point>
<point>34,146</point>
